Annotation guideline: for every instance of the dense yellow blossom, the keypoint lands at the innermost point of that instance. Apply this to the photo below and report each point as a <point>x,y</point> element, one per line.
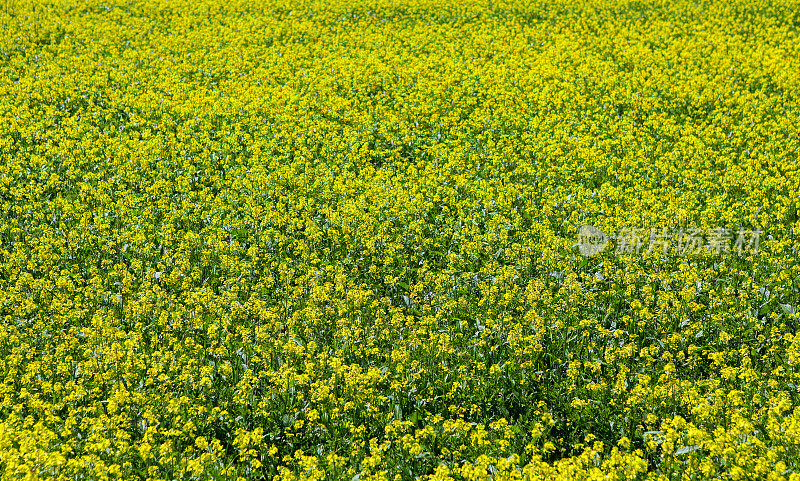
<point>336,240</point>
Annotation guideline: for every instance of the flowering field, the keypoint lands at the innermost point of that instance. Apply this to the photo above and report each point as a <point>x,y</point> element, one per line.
<point>345,240</point>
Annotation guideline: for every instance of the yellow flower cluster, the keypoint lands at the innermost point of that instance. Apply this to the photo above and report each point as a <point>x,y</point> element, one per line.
<point>292,239</point>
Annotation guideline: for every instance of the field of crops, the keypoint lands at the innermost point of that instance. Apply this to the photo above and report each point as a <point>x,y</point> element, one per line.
<point>399,239</point>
